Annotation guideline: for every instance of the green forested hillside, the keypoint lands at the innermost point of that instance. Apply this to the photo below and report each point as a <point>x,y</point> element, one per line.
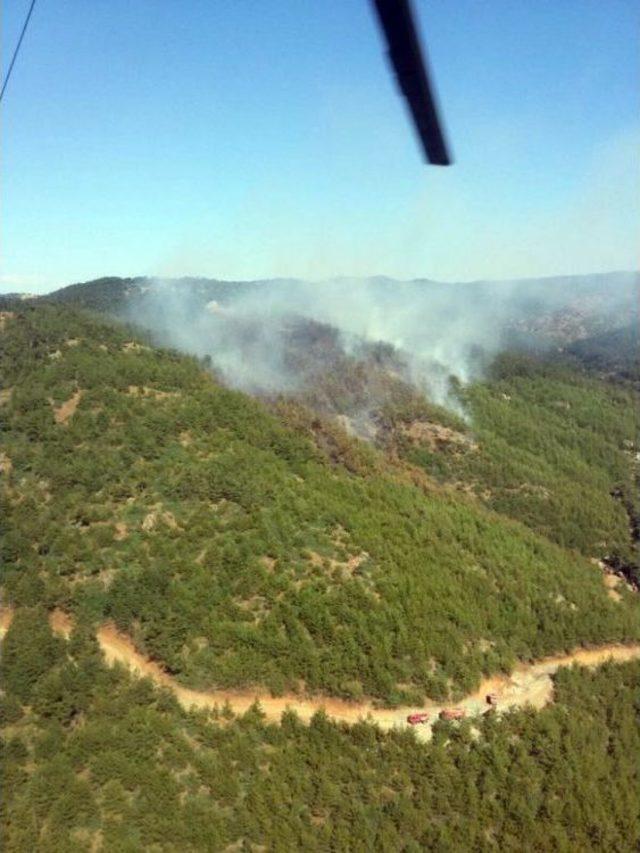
<point>240,545</point>
<point>548,446</point>
<point>93,760</point>
<point>236,552</point>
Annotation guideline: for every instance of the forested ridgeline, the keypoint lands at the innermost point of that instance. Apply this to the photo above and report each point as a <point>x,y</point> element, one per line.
<point>236,552</point>
<point>543,441</point>
<point>96,760</point>
<point>614,355</point>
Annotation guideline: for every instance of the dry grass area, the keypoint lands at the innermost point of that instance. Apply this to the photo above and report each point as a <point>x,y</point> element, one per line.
<point>157,516</point>
<point>6,618</point>
<point>153,393</point>
<point>269,563</point>
<point>435,436</point>
<point>121,531</point>
<point>347,566</point>
<point>530,489</point>
<point>4,316</point>
<point>61,623</point>
<point>5,464</point>
<point>611,582</point>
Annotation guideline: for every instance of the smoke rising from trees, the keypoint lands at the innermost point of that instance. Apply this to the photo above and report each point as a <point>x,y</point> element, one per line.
<point>257,340</point>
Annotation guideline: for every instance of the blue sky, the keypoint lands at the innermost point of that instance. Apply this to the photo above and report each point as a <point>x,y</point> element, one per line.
<point>246,139</point>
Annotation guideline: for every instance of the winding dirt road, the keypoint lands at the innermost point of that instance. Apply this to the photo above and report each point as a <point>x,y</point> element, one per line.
<point>528,684</point>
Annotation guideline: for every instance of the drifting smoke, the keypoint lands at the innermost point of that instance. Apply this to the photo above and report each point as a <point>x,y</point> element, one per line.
<point>256,337</point>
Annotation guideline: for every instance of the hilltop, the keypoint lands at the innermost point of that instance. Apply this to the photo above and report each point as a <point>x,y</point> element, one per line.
<point>532,431</point>
<point>558,309</point>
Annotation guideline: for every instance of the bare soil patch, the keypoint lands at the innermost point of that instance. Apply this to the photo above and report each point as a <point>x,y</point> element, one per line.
<point>152,393</point>
<point>64,412</point>
<point>121,531</point>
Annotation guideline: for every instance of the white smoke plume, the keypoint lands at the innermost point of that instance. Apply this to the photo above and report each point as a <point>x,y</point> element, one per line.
<point>439,330</point>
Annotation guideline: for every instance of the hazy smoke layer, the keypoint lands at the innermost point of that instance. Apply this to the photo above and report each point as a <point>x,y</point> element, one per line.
<point>440,330</point>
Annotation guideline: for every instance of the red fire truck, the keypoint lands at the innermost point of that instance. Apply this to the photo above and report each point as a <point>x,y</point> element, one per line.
<point>416,719</point>
<point>453,714</point>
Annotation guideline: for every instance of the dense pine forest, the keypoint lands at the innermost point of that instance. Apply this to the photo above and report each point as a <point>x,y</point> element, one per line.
<point>95,760</point>
<point>245,542</point>
<point>550,446</point>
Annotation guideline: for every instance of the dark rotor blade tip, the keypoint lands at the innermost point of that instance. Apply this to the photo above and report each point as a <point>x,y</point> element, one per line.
<point>410,66</point>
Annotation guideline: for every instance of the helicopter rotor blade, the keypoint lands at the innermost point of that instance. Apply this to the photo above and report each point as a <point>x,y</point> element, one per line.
<point>409,63</point>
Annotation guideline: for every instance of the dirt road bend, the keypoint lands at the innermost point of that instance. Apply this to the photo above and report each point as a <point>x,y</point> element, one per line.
<point>528,684</point>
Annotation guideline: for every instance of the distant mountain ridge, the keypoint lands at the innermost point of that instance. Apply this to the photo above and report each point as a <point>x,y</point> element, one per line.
<point>561,309</point>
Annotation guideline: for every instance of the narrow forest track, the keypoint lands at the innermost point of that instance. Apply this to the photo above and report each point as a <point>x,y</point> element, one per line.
<point>528,684</point>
